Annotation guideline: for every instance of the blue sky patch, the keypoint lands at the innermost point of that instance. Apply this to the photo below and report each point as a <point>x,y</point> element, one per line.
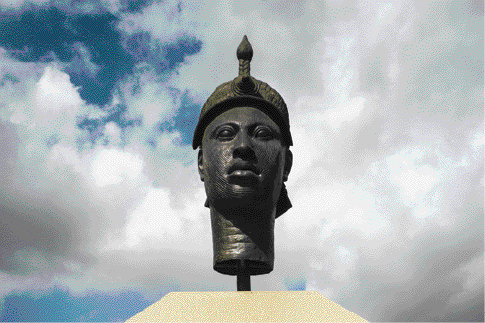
<point>58,305</point>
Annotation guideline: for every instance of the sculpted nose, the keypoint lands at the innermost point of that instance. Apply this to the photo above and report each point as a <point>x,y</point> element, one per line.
<point>243,147</point>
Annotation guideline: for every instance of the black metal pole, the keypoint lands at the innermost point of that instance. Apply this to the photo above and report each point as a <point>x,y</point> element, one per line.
<point>243,277</point>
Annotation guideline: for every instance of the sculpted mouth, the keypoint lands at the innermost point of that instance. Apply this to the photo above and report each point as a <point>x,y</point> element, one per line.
<point>243,175</point>
<point>243,169</point>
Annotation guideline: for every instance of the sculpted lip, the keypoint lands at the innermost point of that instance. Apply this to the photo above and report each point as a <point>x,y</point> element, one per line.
<point>239,172</point>
<point>243,177</point>
<point>243,169</point>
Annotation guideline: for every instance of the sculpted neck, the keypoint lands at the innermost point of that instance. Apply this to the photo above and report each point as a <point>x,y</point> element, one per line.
<point>247,212</point>
<point>243,234</point>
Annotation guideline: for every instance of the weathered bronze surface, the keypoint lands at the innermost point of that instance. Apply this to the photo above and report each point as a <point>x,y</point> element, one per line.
<point>244,159</point>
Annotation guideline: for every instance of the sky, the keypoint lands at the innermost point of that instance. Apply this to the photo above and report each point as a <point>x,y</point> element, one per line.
<point>102,208</point>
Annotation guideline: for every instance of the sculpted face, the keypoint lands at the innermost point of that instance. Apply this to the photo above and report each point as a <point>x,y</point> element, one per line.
<point>243,161</point>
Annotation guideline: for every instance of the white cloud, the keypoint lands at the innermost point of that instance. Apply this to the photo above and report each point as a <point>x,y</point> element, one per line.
<point>321,212</point>
<point>55,91</point>
<point>154,102</point>
<point>154,217</point>
<point>394,71</point>
<point>62,161</point>
<point>162,20</point>
<point>112,5</point>
<point>346,264</point>
<point>113,133</point>
<point>19,3</point>
<point>111,166</point>
<point>471,276</point>
<point>44,100</point>
<point>345,112</point>
<point>385,14</point>
<point>413,179</point>
<point>304,152</point>
<point>477,141</point>
<point>341,73</point>
<point>158,218</point>
<point>78,280</point>
<point>10,283</point>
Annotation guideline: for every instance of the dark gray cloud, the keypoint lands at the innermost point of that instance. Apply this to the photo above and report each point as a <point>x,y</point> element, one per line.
<point>474,8</point>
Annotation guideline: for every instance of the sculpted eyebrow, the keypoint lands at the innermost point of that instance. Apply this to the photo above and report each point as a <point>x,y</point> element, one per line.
<point>235,125</point>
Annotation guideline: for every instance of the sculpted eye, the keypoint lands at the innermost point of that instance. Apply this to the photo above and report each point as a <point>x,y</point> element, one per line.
<point>225,132</point>
<point>263,132</point>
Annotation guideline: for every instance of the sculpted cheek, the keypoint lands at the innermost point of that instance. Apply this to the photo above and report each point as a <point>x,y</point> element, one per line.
<point>271,158</point>
<point>217,163</point>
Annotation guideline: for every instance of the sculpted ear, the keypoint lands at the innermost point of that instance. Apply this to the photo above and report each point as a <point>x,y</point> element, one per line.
<point>200,164</point>
<point>288,164</point>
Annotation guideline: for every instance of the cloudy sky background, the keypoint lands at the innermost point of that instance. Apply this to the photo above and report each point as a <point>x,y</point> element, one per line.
<point>101,204</point>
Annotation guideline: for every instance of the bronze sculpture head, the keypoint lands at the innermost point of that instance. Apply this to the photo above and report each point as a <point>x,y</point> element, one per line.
<point>244,159</point>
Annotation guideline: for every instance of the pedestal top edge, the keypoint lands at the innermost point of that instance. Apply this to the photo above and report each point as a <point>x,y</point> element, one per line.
<point>253,291</point>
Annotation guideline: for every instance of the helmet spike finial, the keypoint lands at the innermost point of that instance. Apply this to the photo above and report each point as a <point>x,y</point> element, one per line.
<point>244,55</point>
<point>243,83</point>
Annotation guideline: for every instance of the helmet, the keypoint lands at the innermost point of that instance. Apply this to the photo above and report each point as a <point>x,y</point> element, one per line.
<point>244,89</point>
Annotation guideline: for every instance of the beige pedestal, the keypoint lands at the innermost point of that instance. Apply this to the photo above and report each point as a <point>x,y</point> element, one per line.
<point>284,306</point>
